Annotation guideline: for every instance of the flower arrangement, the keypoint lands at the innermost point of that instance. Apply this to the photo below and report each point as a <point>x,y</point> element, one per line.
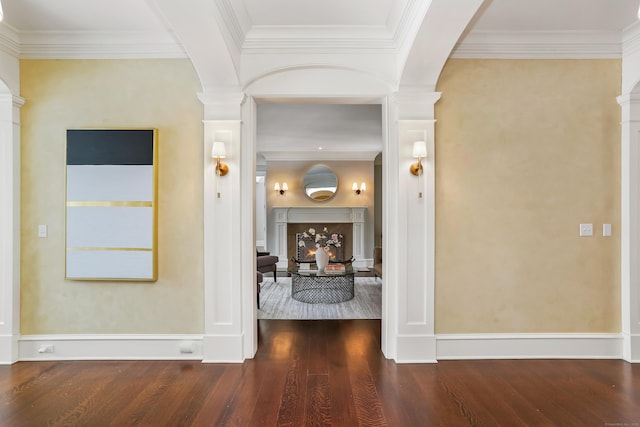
<point>322,240</point>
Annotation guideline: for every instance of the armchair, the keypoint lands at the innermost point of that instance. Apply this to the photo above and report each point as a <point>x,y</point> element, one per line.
<point>377,261</point>
<point>265,263</point>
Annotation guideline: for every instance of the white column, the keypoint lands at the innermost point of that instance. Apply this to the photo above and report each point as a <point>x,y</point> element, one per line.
<point>9,227</point>
<point>229,240</point>
<point>630,226</point>
<point>357,217</point>
<point>281,237</point>
<point>408,237</point>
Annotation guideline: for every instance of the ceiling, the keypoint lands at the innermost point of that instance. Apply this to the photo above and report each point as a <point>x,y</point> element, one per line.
<point>64,29</point>
<point>30,19</point>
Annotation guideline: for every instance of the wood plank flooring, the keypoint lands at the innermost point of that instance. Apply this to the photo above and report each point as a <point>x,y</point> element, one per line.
<point>321,373</point>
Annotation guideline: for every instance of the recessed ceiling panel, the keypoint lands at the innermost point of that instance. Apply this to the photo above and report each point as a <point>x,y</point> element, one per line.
<point>80,15</point>
<point>325,12</point>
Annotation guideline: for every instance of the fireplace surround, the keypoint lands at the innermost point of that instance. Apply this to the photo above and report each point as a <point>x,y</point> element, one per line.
<point>348,221</point>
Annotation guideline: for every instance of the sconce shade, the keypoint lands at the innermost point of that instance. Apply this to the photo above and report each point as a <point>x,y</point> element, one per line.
<point>419,149</point>
<point>419,152</point>
<point>354,187</point>
<point>282,189</point>
<point>363,186</point>
<point>218,150</point>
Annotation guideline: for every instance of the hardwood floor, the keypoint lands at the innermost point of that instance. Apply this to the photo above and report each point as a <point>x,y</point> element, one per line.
<point>321,373</point>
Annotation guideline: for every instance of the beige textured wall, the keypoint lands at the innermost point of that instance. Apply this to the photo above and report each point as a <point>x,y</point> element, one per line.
<point>346,171</point>
<point>112,94</point>
<point>526,151</point>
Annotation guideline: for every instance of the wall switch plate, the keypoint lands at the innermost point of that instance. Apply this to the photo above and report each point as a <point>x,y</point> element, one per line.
<point>586,230</point>
<point>606,230</point>
<point>42,230</point>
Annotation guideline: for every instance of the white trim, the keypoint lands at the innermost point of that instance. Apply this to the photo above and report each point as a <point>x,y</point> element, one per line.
<point>411,348</point>
<point>540,45</point>
<point>111,347</point>
<point>529,346</point>
<point>318,156</point>
<point>98,45</point>
<point>632,350</point>
<point>416,349</point>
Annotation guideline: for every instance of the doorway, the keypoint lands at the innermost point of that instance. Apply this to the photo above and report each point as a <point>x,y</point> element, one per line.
<point>346,138</point>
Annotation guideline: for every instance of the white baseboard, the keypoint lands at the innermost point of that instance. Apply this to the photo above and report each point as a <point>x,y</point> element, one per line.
<point>416,349</point>
<point>110,347</point>
<point>631,348</point>
<point>529,346</point>
<point>223,349</point>
<point>8,349</point>
<point>411,349</point>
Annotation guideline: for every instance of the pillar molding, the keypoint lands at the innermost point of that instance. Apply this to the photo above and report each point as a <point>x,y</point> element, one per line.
<point>9,227</point>
<point>228,335</point>
<point>630,227</point>
<point>408,237</point>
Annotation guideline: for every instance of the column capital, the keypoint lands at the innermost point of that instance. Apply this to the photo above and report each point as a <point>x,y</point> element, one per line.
<point>416,102</point>
<point>222,103</point>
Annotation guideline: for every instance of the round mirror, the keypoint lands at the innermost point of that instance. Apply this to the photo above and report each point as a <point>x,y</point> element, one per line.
<point>320,183</point>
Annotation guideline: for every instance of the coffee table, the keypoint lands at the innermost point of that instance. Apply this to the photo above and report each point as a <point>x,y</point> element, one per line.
<point>316,286</point>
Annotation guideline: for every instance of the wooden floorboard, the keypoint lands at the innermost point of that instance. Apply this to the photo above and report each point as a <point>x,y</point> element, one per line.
<point>320,373</point>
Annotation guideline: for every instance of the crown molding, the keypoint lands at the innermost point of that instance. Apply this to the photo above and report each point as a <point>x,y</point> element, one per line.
<point>99,45</point>
<point>307,39</point>
<point>9,41</point>
<point>316,156</point>
<point>540,45</point>
<point>236,21</point>
<point>631,39</point>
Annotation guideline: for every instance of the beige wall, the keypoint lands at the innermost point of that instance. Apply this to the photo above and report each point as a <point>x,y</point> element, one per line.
<point>526,151</point>
<point>112,94</point>
<point>348,172</point>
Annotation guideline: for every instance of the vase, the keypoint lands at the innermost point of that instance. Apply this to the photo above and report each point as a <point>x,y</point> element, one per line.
<point>322,258</point>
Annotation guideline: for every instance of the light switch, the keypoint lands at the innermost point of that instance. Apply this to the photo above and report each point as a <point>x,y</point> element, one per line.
<point>42,230</point>
<point>586,230</point>
<point>606,230</point>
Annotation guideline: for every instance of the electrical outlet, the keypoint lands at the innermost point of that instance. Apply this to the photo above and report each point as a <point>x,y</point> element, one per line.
<point>46,348</point>
<point>606,230</point>
<point>586,230</point>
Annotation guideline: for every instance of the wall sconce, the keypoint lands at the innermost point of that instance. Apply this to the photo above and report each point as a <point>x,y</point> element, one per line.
<point>357,190</point>
<point>419,152</point>
<point>282,190</point>
<point>218,152</point>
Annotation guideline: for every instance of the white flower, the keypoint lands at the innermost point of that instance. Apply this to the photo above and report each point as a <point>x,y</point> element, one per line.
<point>318,237</point>
<point>312,231</point>
<point>301,244</point>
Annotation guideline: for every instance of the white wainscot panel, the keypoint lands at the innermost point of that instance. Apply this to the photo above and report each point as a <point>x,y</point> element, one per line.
<point>110,183</point>
<point>110,264</point>
<point>109,227</point>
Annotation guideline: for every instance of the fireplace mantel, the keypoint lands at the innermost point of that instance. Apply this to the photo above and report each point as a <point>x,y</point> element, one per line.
<point>353,215</point>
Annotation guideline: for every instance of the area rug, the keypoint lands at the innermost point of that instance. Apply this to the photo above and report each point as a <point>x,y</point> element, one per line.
<point>276,302</point>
